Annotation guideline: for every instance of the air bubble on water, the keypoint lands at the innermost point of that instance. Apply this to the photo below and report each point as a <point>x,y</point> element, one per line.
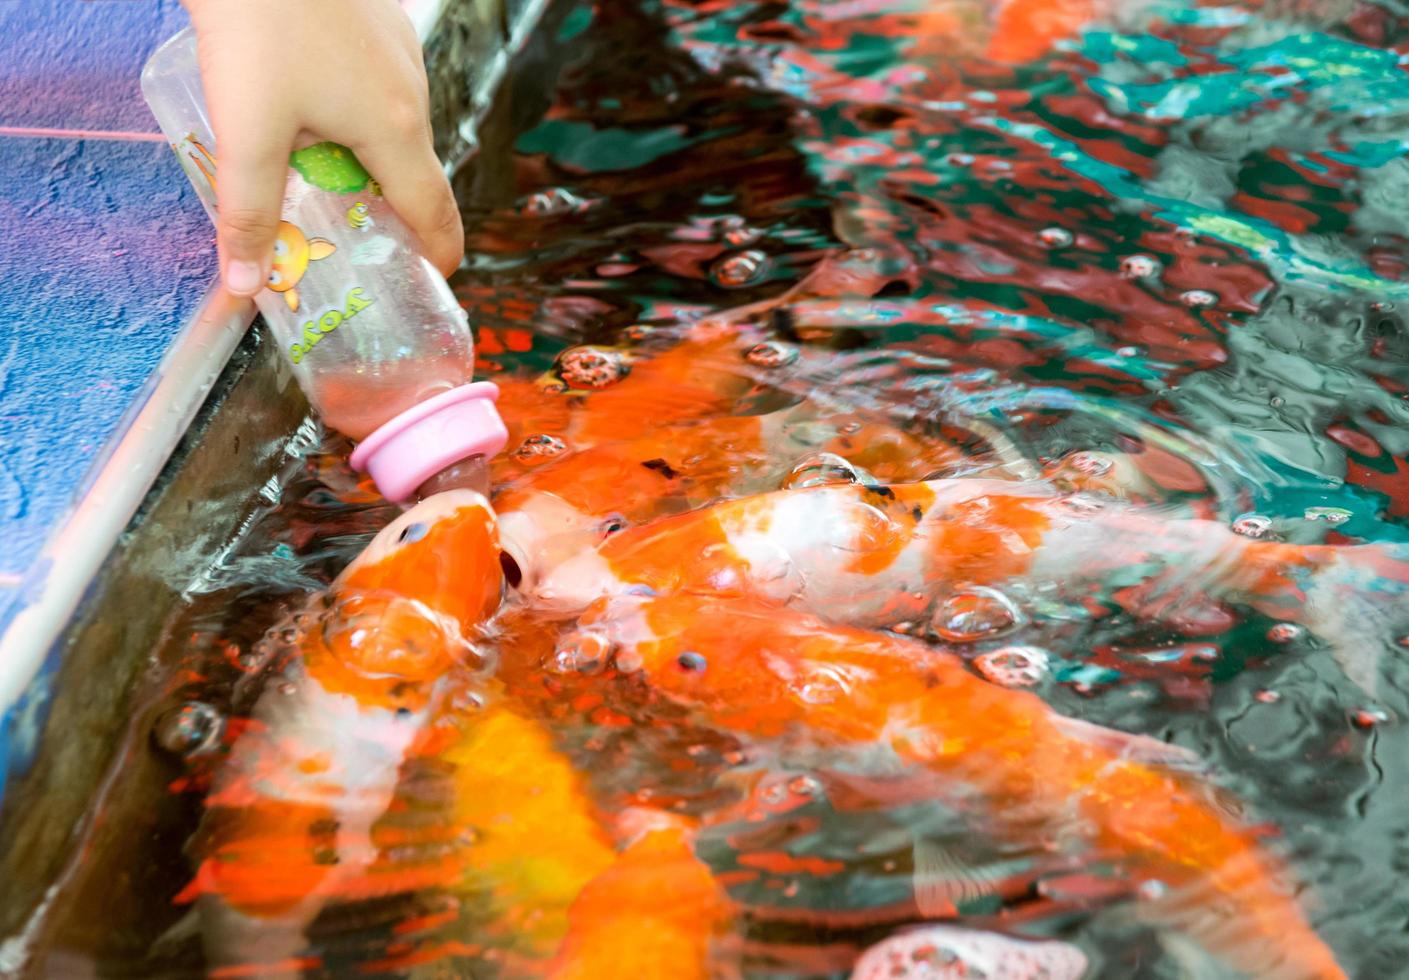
<point>1198,298</point>
<point>628,661</point>
<point>1083,504</point>
<point>740,269</point>
<point>1267,696</point>
<point>1055,237</point>
<point>960,159</point>
<point>1285,632</point>
<point>540,446</point>
<point>771,354</point>
<point>1252,525</point>
<point>1139,267</point>
<point>189,729</point>
<point>804,786</point>
<point>288,689</point>
<point>1369,717</point>
<point>737,232</point>
<point>1328,515</point>
<point>582,652</point>
<point>820,470</point>
<point>1276,401</point>
<point>1152,890</point>
<point>591,367</point>
<point>1129,351</point>
<point>1382,307</point>
<point>1014,666</point>
<point>1089,463</point>
<point>550,202</point>
<point>1205,653</point>
<point>975,613</point>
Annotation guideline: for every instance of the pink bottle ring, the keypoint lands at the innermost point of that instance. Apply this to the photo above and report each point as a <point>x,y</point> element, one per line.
<point>422,441</point>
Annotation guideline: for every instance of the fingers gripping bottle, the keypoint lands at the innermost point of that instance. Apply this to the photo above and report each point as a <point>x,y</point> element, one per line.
<point>371,330</point>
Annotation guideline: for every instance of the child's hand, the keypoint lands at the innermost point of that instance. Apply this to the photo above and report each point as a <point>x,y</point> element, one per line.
<point>281,74</point>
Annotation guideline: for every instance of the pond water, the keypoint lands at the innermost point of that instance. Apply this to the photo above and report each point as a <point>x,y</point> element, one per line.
<point>1160,250</point>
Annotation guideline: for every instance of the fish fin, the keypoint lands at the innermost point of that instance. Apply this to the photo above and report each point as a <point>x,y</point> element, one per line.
<point>1142,749</point>
<point>291,298</point>
<point>1208,946</point>
<point>320,248</point>
<point>946,879</point>
<point>1359,605</point>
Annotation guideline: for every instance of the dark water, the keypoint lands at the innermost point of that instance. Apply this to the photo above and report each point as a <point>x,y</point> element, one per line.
<point>1179,234</point>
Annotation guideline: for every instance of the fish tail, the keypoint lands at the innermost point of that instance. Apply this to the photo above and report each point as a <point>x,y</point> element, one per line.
<point>1355,598</point>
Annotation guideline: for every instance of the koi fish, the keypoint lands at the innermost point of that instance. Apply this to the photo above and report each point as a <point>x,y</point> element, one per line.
<point>879,555</point>
<point>750,668</point>
<point>569,505</point>
<point>1025,30</point>
<point>291,815</point>
<point>312,806</point>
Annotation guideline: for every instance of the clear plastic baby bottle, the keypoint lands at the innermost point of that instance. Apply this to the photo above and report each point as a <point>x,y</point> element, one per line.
<point>369,327</point>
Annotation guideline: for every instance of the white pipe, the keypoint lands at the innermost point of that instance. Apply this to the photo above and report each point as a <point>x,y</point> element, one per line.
<point>75,553</point>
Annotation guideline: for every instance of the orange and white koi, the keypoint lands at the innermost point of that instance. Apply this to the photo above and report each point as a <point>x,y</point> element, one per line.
<point>290,818</point>
<point>308,810</point>
<point>749,668</point>
<point>878,555</point>
<point>567,506</point>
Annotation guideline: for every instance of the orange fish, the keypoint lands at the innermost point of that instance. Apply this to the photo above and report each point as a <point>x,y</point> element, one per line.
<point>311,807</point>
<point>290,818</point>
<point>879,555</point>
<point>1026,30</point>
<point>749,668</point>
<point>568,506</point>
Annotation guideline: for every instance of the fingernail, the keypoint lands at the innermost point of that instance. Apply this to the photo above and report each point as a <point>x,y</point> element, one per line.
<point>242,277</point>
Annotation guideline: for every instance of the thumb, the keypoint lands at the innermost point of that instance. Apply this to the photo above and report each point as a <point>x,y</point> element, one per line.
<point>252,165</point>
<point>250,191</point>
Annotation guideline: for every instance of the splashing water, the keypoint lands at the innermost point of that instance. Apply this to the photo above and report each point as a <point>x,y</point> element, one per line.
<point>1154,257</point>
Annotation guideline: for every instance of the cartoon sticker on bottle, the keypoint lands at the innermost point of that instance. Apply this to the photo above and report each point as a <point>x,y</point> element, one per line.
<point>292,253</point>
<point>359,217</point>
<point>193,152</point>
<point>293,250</point>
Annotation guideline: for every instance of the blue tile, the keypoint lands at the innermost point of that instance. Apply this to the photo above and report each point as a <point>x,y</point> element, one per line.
<point>74,64</point>
<point>104,254</point>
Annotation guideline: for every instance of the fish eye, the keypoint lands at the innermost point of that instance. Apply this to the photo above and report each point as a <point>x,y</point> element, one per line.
<point>276,278</point>
<point>613,524</point>
<point>413,532</point>
<point>281,248</point>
